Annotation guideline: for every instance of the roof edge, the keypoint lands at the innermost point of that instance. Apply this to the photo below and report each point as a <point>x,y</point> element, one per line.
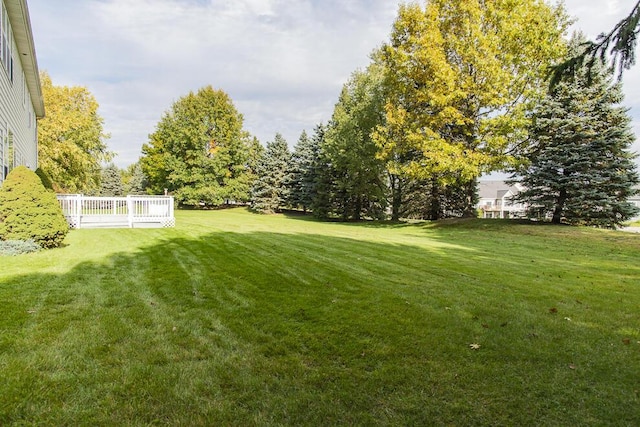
<point>20,21</point>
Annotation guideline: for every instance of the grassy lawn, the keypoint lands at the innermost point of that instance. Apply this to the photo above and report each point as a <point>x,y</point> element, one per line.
<point>239,319</point>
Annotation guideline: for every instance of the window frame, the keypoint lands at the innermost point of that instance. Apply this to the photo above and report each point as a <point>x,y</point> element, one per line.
<point>6,42</point>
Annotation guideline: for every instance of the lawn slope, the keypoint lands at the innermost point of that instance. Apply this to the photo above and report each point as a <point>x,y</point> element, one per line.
<point>239,319</point>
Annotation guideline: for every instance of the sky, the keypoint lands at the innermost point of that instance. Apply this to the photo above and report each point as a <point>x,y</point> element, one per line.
<point>282,62</point>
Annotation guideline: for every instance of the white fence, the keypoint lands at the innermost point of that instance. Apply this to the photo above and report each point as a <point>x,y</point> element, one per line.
<point>117,212</point>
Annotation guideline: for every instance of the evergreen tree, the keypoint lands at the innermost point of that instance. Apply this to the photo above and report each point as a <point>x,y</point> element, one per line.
<point>580,170</point>
<point>111,181</point>
<point>303,172</point>
<point>28,211</point>
<point>321,177</point>
<point>619,45</point>
<point>137,183</point>
<point>269,193</point>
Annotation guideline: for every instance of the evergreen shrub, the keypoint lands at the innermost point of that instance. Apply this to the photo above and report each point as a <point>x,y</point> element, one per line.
<point>18,247</point>
<point>28,211</point>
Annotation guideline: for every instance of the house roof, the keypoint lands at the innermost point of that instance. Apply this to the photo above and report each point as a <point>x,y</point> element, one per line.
<point>496,189</point>
<point>18,13</point>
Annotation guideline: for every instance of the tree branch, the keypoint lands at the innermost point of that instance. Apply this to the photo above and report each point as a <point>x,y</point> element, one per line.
<point>619,44</point>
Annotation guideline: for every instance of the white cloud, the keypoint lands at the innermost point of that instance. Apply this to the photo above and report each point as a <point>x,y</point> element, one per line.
<point>283,62</point>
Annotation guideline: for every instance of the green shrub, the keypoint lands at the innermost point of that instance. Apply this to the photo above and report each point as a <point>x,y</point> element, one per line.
<point>28,211</point>
<point>18,247</point>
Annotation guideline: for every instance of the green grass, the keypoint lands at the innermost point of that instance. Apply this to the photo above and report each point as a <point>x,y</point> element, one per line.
<point>240,319</point>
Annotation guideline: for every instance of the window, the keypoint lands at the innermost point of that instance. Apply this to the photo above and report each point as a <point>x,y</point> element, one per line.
<point>6,42</point>
<point>2,25</point>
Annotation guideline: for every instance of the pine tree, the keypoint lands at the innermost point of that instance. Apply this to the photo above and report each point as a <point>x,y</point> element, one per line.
<point>321,177</point>
<point>269,192</point>
<point>111,181</point>
<point>580,170</point>
<point>302,178</point>
<point>618,45</point>
<point>137,182</point>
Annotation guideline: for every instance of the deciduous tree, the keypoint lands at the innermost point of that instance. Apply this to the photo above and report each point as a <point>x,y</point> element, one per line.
<point>460,74</point>
<point>71,141</point>
<point>359,173</point>
<point>200,152</point>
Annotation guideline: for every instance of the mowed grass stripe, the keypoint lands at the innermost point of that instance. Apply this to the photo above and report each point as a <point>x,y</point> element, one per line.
<point>242,319</point>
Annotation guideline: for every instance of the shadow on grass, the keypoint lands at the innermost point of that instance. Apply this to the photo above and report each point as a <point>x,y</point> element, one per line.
<point>271,328</point>
<point>468,223</point>
<point>302,216</point>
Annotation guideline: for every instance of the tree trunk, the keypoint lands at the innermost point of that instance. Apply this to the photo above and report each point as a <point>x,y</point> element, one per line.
<point>357,209</point>
<point>557,212</point>
<point>470,191</point>
<point>396,197</point>
<point>434,205</point>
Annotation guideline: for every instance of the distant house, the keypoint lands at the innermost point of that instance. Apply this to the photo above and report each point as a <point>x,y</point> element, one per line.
<point>495,200</point>
<point>635,200</point>
<point>21,102</point>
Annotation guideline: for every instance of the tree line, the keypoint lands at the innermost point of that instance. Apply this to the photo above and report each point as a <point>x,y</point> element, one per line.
<point>459,90</point>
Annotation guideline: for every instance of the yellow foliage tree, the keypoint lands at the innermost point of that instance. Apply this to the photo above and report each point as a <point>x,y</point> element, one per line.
<point>460,78</point>
<point>71,141</point>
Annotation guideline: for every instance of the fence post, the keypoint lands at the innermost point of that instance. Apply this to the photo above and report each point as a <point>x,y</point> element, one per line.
<point>78,212</point>
<point>130,207</point>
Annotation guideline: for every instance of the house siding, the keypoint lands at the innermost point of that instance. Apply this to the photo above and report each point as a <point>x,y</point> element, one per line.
<point>18,125</point>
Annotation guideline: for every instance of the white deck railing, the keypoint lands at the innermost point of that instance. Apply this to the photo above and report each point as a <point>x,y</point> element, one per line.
<point>131,211</point>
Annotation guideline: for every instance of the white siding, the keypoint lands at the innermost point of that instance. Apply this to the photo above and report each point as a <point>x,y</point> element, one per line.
<point>17,114</point>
